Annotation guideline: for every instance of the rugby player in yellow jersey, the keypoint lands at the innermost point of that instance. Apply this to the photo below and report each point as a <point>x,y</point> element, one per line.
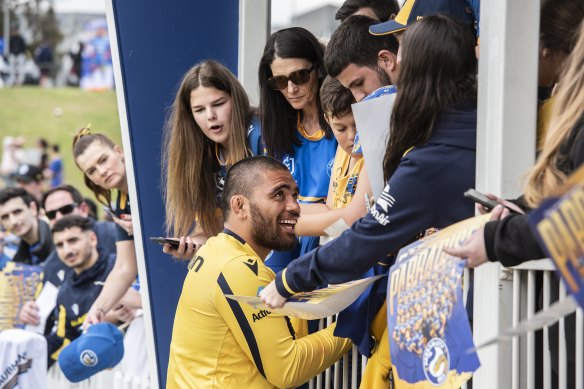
<point>221,343</point>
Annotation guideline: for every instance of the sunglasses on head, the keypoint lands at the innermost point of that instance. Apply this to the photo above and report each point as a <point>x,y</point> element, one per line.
<point>64,210</point>
<point>298,77</point>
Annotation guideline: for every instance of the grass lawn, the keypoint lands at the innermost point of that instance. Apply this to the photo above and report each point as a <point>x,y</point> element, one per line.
<point>34,112</point>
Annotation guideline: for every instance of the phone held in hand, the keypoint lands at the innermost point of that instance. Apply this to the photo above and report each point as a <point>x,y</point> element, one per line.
<point>173,242</point>
<point>481,198</point>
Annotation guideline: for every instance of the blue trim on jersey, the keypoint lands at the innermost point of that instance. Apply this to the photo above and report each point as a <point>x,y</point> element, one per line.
<point>243,324</point>
<point>233,234</point>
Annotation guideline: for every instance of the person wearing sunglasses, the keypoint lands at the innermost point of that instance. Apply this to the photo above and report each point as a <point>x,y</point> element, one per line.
<point>294,129</point>
<point>66,200</point>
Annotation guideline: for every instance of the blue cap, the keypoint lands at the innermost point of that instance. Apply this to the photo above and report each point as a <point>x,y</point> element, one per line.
<point>101,347</point>
<point>417,9</point>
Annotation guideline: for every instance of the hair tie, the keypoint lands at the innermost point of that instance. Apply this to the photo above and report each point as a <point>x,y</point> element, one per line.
<point>86,130</point>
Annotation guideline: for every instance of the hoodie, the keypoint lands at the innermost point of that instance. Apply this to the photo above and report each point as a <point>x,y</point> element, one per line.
<point>426,191</point>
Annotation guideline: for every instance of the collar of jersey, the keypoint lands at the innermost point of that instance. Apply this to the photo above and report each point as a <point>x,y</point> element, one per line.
<point>247,247</point>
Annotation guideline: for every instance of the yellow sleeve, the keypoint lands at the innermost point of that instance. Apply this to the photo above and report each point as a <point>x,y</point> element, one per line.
<point>268,339</point>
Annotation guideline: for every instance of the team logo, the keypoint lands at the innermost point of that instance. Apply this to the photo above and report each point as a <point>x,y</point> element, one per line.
<point>61,274</point>
<point>436,361</point>
<point>289,162</point>
<point>75,309</point>
<point>329,167</point>
<point>88,358</point>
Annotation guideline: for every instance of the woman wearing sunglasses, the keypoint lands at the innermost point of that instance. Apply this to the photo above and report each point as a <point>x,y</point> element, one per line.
<point>294,129</point>
<point>211,126</point>
<point>104,171</point>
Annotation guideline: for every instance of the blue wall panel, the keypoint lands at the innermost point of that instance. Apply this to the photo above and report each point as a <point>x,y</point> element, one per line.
<point>158,41</point>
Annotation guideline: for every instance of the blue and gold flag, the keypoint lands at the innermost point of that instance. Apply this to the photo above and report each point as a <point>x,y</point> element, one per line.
<point>429,331</point>
<point>558,224</point>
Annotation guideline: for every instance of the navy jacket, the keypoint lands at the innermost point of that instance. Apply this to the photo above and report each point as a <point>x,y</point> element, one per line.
<point>74,300</point>
<point>426,191</point>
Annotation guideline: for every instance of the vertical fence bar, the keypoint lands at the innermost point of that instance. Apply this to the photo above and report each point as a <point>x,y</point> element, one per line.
<point>547,365</point>
<point>562,358</point>
<point>515,320</point>
<point>579,349</point>
<point>531,334</point>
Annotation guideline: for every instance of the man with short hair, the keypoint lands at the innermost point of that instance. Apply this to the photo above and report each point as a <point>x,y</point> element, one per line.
<point>30,178</point>
<point>221,343</point>
<point>76,245</point>
<point>19,215</point>
<point>58,203</point>
<point>361,62</point>
<point>380,10</point>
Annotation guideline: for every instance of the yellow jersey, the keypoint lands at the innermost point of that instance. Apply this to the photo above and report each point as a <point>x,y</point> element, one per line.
<point>221,343</point>
<point>344,182</point>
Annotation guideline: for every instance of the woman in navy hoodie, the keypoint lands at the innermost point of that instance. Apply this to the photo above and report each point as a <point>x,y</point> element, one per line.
<point>428,164</point>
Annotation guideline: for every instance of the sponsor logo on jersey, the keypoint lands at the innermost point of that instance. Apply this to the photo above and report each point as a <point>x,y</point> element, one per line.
<point>260,315</point>
<point>88,358</point>
<point>436,361</point>
<point>289,162</point>
<point>196,263</point>
<point>253,265</point>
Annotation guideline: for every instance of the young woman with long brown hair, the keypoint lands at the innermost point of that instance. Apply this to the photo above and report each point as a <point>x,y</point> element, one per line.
<point>104,171</point>
<point>211,126</point>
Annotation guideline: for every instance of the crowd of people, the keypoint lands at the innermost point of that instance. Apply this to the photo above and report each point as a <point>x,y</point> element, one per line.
<point>250,191</point>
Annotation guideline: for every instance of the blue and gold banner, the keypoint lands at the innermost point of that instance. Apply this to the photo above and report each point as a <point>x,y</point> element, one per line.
<point>18,284</point>
<point>429,331</point>
<point>558,224</point>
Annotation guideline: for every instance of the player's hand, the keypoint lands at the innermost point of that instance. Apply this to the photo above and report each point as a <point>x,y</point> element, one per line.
<point>186,248</point>
<point>94,316</point>
<point>29,314</point>
<point>271,297</point>
<point>125,221</point>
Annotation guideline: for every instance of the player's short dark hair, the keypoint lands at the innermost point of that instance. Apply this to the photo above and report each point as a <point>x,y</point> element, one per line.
<point>8,194</point>
<point>335,99</point>
<point>383,9</point>
<point>75,194</point>
<point>351,43</point>
<point>70,221</point>
<point>244,176</point>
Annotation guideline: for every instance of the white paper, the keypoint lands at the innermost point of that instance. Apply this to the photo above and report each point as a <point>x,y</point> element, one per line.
<point>372,121</point>
<point>46,301</point>
<point>316,304</point>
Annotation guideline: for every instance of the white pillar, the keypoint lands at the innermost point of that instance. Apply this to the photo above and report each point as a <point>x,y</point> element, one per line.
<point>505,151</point>
<point>254,29</point>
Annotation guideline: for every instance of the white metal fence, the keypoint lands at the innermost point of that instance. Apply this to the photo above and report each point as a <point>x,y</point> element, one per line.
<point>538,360</point>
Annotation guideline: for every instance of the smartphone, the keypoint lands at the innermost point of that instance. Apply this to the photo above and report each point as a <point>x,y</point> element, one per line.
<point>109,211</point>
<point>173,242</point>
<point>481,198</point>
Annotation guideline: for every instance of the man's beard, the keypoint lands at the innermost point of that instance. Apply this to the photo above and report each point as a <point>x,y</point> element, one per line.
<point>383,77</point>
<point>267,233</point>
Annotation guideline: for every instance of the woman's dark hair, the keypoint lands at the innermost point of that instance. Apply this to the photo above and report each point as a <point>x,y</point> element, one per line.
<point>438,69</point>
<point>279,119</point>
<point>559,22</point>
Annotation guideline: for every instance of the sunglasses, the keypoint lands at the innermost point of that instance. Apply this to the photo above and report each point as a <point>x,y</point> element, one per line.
<point>298,77</point>
<point>64,210</point>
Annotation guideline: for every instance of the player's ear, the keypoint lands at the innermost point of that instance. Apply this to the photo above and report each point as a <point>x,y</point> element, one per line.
<point>239,206</point>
